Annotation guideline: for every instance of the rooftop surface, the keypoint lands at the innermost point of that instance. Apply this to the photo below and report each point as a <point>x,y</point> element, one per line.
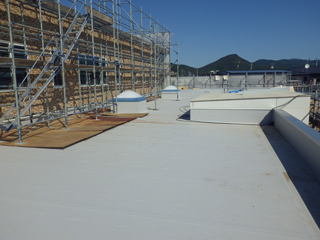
<point>160,177</point>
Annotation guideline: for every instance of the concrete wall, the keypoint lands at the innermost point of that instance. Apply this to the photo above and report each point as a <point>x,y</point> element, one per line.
<point>303,139</point>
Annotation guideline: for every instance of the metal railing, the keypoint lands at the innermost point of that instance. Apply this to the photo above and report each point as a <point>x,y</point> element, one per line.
<point>314,91</point>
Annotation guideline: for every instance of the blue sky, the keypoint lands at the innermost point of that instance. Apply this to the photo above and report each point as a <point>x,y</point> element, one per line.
<point>254,29</point>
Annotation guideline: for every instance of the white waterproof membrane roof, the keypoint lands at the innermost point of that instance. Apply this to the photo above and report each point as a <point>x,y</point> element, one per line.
<point>161,177</point>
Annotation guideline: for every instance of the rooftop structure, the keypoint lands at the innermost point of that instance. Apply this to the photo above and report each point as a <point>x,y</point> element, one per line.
<point>162,177</point>
<point>303,75</point>
<point>249,107</point>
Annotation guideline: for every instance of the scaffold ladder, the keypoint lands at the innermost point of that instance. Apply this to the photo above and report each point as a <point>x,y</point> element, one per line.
<point>50,70</point>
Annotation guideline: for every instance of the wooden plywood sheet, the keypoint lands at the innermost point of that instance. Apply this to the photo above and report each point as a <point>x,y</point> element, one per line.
<point>126,115</point>
<point>20,62</point>
<point>79,129</point>
<point>53,5</point>
<point>55,139</point>
<point>95,125</point>
<point>100,16</point>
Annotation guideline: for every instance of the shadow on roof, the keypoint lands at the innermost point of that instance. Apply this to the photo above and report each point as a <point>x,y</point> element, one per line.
<point>297,172</point>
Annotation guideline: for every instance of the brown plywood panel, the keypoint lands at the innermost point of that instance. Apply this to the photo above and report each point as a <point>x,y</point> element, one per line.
<point>113,118</point>
<point>126,115</point>
<point>56,139</point>
<point>54,5</point>
<point>79,129</point>
<point>20,62</point>
<point>100,16</point>
<point>95,125</point>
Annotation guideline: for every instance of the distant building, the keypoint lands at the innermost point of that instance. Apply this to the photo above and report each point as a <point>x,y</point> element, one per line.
<point>303,75</point>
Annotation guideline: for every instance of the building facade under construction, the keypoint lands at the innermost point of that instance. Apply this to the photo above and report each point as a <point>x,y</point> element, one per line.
<point>69,57</point>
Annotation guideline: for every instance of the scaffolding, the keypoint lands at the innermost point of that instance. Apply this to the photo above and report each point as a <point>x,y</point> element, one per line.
<point>63,58</point>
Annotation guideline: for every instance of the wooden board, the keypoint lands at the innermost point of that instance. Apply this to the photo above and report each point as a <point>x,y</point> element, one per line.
<point>100,16</point>
<point>20,62</point>
<point>53,5</point>
<point>55,139</point>
<point>79,129</point>
<point>126,115</point>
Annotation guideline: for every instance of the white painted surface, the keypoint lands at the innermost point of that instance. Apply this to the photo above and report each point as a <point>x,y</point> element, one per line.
<point>305,140</point>
<point>170,95</point>
<point>248,108</point>
<point>154,178</point>
<point>247,95</point>
<point>234,104</point>
<point>299,108</point>
<point>132,107</point>
<point>232,116</point>
<point>264,90</point>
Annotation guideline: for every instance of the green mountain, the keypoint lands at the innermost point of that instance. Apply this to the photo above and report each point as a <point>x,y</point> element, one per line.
<point>233,62</point>
<point>228,63</point>
<point>184,70</point>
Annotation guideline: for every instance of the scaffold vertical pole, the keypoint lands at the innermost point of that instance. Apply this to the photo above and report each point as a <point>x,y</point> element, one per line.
<point>246,81</point>
<point>150,65</point>
<point>94,62</point>
<point>114,10</point>
<point>155,69</point>
<point>25,52</point>
<point>79,71</point>
<point>62,66</point>
<point>131,48</point>
<point>13,73</point>
<point>178,71</point>
<point>142,51</point>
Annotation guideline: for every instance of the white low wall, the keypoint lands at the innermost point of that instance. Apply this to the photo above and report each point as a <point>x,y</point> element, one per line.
<point>248,108</point>
<point>132,107</point>
<point>232,116</point>
<point>304,140</point>
<point>170,95</point>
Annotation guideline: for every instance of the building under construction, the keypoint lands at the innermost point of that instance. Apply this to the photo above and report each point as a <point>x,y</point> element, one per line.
<point>60,58</point>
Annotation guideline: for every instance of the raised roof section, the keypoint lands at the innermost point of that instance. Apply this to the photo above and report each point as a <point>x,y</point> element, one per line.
<point>248,95</point>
